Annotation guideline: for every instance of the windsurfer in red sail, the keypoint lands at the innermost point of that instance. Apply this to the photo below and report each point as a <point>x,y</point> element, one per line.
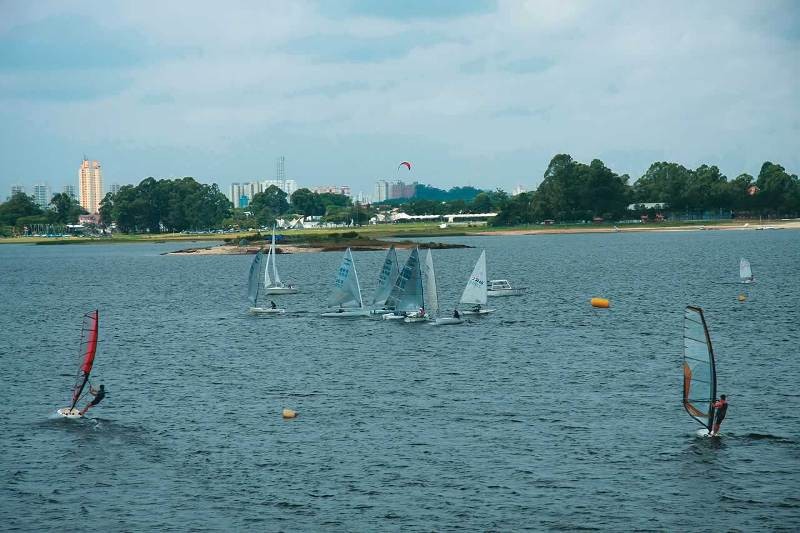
<point>721,408</point>
<point>98,394</point>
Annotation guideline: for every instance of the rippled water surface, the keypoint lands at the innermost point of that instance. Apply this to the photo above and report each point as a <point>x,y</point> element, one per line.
<point>547,414</point>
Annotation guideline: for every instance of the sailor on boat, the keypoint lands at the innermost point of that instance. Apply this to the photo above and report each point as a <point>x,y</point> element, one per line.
<point>99,394</point>
<point>721,409</point>
<point>456,314</point>
<point>272,305</point>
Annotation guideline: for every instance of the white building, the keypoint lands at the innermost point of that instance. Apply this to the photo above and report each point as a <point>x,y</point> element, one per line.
<point>519,189</point>
<point>41,195</point>
<point>90,181</point>
<point>381,191</point>
<point>115,187</point>
<point>17,189</point>
<point>287,186</point>
<point>71,191</point>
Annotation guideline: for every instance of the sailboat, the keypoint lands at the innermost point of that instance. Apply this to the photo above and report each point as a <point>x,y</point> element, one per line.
<point>88,348</point>
<point>407,296</point>
<point>433,295</point>
<point>274,285</point>
<point>254,288</point>
<point>475,293</point>
<point>699,370</point>
<point>386,279</point>
<point>745,273</point>
<point>346,291</point>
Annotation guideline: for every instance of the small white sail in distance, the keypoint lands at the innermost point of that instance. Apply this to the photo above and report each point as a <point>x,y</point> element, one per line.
<point>475,291</point>
<point>745,273</point>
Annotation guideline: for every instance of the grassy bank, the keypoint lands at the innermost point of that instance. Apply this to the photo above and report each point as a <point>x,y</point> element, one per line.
<point>392,231</point>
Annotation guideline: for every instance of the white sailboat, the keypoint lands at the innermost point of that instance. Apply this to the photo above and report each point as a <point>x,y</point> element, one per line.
<point>745,273</point>
<point>407,297</point>
<point>475,293</point>
<point>346,291</point>
<point>386,279</point>
<point>254,289</point>
<point>274,285</point>
<point>433,295</point>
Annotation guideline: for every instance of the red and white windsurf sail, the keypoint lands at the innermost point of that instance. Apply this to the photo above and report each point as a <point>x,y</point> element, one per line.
<point>88,350</point>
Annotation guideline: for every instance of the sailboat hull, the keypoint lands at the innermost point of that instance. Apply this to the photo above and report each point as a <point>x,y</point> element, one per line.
<point>265,311</point>
<point>506,292</point>
<point>446,321</point>
<point>481,312</point>
<point>66,412</point>
<point>392,316</point>
<point>415,319</point>
<point>346,314</point>
<point>281,290</point>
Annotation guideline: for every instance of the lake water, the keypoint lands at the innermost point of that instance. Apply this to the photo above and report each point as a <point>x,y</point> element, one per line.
<point>546,415</point>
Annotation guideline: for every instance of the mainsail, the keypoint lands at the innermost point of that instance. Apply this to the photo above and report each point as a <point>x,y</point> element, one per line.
<point>430,285</point>
<point>253,285</point>
<point>745,274</point>
<point>407,294</point>
<point>699,372</point>
<point>475,291</point>
<point>386,278</point>
<point>276,279</point>
<point>346,290</point>
<point>88,347</point>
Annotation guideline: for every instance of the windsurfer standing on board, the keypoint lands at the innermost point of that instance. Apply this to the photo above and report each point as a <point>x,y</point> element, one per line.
<point>99,394</point>
<point>721,407</point>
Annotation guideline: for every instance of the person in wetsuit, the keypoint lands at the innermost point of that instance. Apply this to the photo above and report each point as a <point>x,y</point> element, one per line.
<point>455,314</point>
<point>721,407</point>
<point>98,394</point>
<point>272,305</point>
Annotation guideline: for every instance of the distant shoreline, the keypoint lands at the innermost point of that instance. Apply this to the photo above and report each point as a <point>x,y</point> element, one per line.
<point>380,237</point>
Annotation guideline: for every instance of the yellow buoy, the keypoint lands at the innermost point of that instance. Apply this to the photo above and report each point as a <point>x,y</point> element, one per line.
<point>742,297</point>
<point>602,303</point>
<point>289,413</point>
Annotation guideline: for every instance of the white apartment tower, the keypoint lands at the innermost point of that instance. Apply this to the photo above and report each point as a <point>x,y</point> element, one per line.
<point>90,182</point>
<point>381,191</point>
<point>41,195</point>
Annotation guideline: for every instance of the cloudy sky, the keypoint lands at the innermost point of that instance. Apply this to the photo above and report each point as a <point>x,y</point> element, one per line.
<point>474,92</point>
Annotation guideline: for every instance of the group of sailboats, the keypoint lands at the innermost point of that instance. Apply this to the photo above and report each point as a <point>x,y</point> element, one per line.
<point>409,293</point>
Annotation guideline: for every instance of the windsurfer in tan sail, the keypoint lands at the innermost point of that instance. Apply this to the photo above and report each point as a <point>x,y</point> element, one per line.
<point>721,409</point>
<point>98,394</point>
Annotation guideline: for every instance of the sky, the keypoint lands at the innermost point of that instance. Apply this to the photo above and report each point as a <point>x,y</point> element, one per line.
<point>472,92</point>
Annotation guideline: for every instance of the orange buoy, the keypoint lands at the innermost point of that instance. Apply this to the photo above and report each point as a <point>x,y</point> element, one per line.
<point>289,413</point>
<point>602,303</point>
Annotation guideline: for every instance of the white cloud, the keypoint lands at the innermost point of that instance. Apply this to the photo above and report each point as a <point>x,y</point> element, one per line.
<point>490,96</point>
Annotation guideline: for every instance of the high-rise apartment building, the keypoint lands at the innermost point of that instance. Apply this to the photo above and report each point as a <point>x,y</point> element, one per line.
<point>70,191</point>
<point>90,181</point>
<point>287,186</point>
<point>381,191</point>
<point>115,187</point>
<point>17,189</point>
<point>41,195</point>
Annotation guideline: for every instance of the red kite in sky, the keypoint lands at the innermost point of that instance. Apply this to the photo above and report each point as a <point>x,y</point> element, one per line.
<point>404,163</point>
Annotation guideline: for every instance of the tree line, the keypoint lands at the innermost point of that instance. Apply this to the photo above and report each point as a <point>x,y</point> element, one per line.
<point>21,210</point>
<point>572,191</point>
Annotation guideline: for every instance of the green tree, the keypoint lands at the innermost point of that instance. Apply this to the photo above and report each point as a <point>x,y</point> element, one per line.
<point>779,191</point>
<point>65,208</point>
<point>18,206</point>
<point>307,203</point>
